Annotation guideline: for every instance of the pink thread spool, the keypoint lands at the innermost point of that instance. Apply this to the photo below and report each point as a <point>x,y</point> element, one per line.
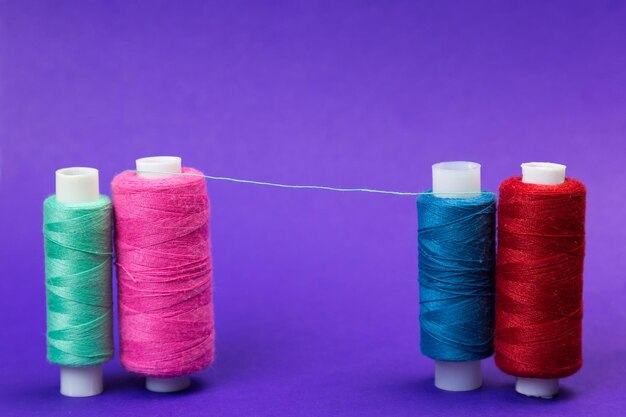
<point>164,273</point>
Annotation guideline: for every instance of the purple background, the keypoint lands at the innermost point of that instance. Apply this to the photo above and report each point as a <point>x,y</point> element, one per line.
<point>315,292</point>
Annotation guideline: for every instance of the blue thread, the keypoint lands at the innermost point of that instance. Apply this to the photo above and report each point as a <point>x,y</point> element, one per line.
<point>456,240</point>
<point>303,187</point>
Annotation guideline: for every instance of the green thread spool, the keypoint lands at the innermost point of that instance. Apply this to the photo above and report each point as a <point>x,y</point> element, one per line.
<point>77,236</point>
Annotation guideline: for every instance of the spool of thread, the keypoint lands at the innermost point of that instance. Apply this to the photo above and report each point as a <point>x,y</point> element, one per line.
<point>541,246</point>
<point>164,272</point>
<point>456,243</point>
<point>77,238</point>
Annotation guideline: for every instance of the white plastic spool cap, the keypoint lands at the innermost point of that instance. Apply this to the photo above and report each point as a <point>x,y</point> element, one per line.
<point>159,165</point>
<point>542,173</point>
<point>162,165</point>
<point>460,177</point>
<point>456,177</point>
<point>79,185</point>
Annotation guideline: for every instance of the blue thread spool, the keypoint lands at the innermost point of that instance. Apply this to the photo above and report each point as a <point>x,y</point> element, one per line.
<point>456,275</point>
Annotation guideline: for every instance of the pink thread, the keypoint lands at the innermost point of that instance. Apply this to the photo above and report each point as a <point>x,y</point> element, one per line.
<point>164,273</point>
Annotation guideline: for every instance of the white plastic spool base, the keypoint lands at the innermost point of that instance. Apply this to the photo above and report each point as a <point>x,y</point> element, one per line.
<point>541,173</point>
<point>458,376</point>
<point>173,384</point>
<point>535,387</point>
<point>79,185</point>
<point>460,177</point>
<point>161,166</point>
<point>81,381</point>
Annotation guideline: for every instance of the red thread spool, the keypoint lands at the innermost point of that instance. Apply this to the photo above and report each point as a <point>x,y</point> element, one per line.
<point>539,279</point>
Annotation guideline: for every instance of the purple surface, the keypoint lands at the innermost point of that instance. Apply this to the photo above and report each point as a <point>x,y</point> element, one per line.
<point>315,292</point>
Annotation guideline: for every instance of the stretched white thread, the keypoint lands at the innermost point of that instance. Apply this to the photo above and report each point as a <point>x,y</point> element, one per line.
<point>307,187</point>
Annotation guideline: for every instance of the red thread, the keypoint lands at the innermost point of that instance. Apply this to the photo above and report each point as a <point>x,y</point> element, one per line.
<point>539,278</point>
<point>164,273</point>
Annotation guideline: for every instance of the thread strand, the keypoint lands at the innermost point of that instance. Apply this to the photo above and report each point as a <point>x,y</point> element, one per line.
<point>307,187</point>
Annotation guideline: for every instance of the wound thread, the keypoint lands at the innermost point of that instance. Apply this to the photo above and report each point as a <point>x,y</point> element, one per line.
<point>456,250</point>
<point>77,242</point>
<point>541,247</point>
<point>164,273</point>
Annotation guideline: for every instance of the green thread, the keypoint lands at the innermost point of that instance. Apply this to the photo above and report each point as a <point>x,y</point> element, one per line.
<point>77,240</point>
